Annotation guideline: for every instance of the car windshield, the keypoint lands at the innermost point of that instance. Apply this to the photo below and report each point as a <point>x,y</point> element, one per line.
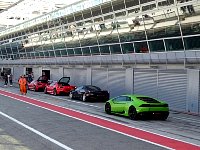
<point>64,80</point>
<point>93,88</point>
<point>148,99</point>
<point>42,79</point>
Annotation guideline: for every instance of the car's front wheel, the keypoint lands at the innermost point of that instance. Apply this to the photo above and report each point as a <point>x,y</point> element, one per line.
<point>70,95</point>
<point>132,113</point>
<point>108,108</point>
<point>83,98</point>
<point>34,88</point>
<point>54,92</point>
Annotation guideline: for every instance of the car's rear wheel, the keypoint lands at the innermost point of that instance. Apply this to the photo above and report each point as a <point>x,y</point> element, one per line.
<point>132,113</point>
<point>70,95</point>
<point>83,98</point>
<point>54,92</point>
<point>108,108</point>
<point>45,90</point>
<point>164,116</point>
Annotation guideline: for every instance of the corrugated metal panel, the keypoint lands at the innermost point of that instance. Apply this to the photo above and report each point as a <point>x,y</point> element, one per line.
<point>172,88</point>
<point>116,82</point>
<point>54,74</point>
<point>100,78</point>
<point>145,83</point>
<point>17,72</point>
<point>77,76</point>
<point>199,94</point>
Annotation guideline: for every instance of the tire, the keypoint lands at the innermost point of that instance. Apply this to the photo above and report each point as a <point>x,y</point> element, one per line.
<point>45,90</point>
<point>132,113</point>
<point>83,98</point>
<point>34,88</point>
<point>164,116</point>
<point>108,108</point>
<point>54,92</point>
<point>70,95</point>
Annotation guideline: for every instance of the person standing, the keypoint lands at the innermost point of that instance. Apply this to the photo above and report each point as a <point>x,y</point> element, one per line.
<point>22,85</point>
<point>5,79</point>
<point>10,79</point>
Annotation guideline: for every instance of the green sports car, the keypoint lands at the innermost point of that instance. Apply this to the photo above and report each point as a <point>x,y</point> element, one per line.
<point>134,106</point>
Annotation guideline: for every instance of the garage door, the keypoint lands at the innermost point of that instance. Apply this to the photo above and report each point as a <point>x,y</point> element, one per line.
<point>116,82</point>
<point>17,72</point>
<point>172,88</point>
<point>77,76</point>
<point>145,83</point>
<point>100,78</point>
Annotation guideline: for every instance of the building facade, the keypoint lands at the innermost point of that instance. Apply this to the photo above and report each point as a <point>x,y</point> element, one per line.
<point>147,47</point>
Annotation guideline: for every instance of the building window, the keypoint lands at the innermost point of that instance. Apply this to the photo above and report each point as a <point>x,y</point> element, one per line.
<point>141,47</point>
<point>157,46</point>
<point>174,44</point>
<point>127,48</point>
<point>192,43</point>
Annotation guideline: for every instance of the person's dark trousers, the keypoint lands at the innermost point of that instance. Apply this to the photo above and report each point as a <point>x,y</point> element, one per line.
<point>11,82</point>
<point>6,82</point>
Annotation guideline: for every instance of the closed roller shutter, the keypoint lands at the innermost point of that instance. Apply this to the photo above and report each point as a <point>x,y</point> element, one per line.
<point>17,72</point>
<point>145,83</point>
<point>172,88</point>
<point>100,78</point>
<point>54,74</point>
<point>116,82</point>
<point>77,76</point>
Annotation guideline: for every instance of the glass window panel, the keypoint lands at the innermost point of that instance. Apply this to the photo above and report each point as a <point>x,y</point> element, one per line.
<point>141,47</point>
<point>57,53</point>
<point>108,39</point>
<point>78,51</point>
<point>115,49</point>
<point>127,48</point>
<point>156,46</point>
<point>51,54</point>
<point>70,51</point>
<point>118,5</point>
<point>95,50</point>
<point>32,55</point>
<point>191,29</point>
<point>96,11</point>
<point>87,14</point>
<point>106,8</point>
<point>105,49</point>
<point>86,51</point>
<point>174,44</point>
<point>37,54</point>
<point>41,54</point>
<point>192,43</point>
<point>130,3</point>
<point>64,52</point>
<point>46,53</point>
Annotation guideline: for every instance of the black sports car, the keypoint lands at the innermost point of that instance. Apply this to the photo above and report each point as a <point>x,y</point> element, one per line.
<point>89,92</point>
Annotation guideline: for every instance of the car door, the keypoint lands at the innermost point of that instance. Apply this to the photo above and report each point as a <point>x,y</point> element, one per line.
<point>119,104</point>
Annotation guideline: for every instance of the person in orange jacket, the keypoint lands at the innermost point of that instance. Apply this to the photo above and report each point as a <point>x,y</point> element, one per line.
<point>22,85</point>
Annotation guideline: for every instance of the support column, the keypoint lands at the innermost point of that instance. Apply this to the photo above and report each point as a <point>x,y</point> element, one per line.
<point>192,99</point>
<point>129,81</point>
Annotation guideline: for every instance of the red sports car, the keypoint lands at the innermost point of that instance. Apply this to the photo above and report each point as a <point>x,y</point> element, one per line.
<point>59,87</point>
<point>38,84</point>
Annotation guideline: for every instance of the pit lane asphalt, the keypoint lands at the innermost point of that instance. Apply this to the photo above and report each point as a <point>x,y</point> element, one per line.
<point>180,126</point>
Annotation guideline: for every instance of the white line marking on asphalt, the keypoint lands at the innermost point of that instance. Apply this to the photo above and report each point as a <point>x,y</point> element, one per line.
<point>36,132</point>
